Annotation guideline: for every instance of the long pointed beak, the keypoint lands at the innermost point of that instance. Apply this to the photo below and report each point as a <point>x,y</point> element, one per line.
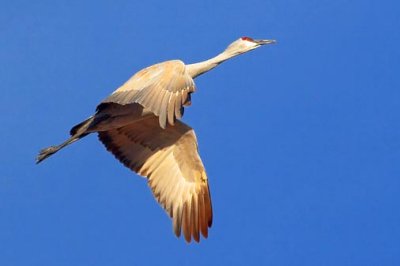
<point>263,42</point>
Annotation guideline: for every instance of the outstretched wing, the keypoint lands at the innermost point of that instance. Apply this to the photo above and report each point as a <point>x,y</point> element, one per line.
<point>169,159</point>
<point>163,88</point>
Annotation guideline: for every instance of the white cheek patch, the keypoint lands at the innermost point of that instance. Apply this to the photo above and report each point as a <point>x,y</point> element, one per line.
<point>249,44</point>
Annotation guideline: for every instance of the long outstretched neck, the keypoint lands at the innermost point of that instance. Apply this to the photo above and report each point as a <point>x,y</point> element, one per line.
<point>197,69</point>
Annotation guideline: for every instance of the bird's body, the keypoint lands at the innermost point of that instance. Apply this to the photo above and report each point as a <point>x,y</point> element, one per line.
<point>140,124</point>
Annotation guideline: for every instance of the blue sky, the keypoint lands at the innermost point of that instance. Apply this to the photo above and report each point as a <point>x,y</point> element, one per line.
<point>301,140</point>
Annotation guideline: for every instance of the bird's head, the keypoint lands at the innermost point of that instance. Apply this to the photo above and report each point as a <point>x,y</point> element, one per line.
<point>245,44</point>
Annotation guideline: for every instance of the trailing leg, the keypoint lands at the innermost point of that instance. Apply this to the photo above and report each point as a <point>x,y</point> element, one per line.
<point>79,131</point>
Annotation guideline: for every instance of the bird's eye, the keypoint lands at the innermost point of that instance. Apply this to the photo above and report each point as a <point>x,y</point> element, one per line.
<point>245,38</point>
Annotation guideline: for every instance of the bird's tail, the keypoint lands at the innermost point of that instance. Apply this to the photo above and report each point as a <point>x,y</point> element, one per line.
<point>77,132</point>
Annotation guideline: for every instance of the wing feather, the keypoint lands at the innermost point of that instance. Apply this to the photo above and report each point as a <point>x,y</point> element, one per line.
<point>178,105</point>
<point>171,110</point>
<point>186,221</point>
<point>164,108</point>
<point>195,219</point>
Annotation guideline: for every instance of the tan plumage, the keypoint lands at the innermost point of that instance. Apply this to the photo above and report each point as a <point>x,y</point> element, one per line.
<point>163,89</point>
<point>139,123</point>
<point>169,159</point>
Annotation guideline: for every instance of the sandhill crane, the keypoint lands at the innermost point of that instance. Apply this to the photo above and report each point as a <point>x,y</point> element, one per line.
<point>140,125</point>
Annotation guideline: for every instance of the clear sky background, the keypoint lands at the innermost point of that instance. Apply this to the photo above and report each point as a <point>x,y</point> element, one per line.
<point>301,140</point>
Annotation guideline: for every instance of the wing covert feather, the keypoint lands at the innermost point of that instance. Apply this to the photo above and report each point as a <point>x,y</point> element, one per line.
<point>163,88</point>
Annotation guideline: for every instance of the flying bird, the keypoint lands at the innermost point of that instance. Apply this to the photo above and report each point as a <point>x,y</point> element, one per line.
<point>140,124</point>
